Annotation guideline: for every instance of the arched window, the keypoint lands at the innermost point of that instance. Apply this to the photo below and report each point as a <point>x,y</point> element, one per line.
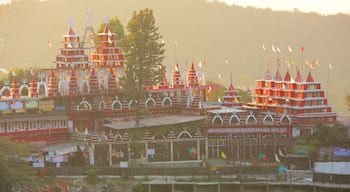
<point>117,105</point>
<point>234,119</point>
<point>167,102</point>
<point>217,119</point>
<point>184,134</point>
<point>150,102</point>
<point>268,119</point>
<point>285,120</point>
<point>251,119</point>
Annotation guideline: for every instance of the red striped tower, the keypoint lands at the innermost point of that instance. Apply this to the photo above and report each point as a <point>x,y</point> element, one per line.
<point>15,88</point>
<point>177,81</point>
<point>33,87</point>
<point>192,77</point>
<point>52,85</point>
<point>72,54</point>
<point>73,85</point>
<point>108,54</point>
<point>93,81</point>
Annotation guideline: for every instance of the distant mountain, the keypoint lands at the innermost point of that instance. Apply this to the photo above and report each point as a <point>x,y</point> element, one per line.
<point>210,32</point>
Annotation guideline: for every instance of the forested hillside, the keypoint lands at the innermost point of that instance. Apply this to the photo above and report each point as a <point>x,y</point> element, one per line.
<point>207,32</point>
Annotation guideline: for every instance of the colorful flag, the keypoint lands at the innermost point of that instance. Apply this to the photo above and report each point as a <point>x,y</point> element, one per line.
<point>330,66</point>
<point>276,158</point>
<point>236,100</point>
<point>302,49</point>
<point>280,153</point>
<point>292,61</point>
<point>290,49</point>
<point>223,155</point>
<point>109,41</point>
<point>262,156</point>
<point>209,89</point>
<point>273,48</point>
<point>278,49</point>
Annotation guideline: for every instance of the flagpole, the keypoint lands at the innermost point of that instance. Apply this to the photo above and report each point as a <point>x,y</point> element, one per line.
<point>328,77</point>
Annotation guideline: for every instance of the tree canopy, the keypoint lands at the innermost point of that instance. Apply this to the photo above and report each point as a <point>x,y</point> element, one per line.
<point>15,172</point>
<point>144,54</point>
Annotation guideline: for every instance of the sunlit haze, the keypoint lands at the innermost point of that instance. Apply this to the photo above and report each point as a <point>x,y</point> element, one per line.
<point>324,7</point>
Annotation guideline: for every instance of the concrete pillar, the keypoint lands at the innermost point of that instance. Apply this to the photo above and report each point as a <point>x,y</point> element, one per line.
<point>219,187</point>
<point>146,149</point>
<point>149,188</point>
<point>194,188</point>
<point>110,154</point>
<point>171,150</point>
<point>198,150</point>
<point>206,148</point>
<point>172,188</point>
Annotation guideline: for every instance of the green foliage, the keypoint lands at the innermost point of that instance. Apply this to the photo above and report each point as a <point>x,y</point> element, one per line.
<point>330,136</point>
<point>138,188</point>
<point>92,176</point>
<point>15,172</point>
<point>323,136</point>
<point>245,96</point>
<point>144,55</point>
<point>216,93</point>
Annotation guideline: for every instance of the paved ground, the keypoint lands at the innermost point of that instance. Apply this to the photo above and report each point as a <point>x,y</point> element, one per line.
<point>122,123</point>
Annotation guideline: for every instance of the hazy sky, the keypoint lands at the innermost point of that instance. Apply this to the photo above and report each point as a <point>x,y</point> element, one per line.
<point>324,7</point>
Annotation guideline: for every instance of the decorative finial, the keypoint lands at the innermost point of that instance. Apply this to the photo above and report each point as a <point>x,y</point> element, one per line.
<point>106,20</point>
<point>88,18</point>
<point>70,21</point>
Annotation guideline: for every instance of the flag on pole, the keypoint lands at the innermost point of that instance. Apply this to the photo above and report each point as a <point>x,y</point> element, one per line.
<point>290,49</point>
<point>223,155</point>
<point>273,48</point>
<point>209,89</point>
<point>263,47</point>
<point>330,66</point>
<point>109,41</point>
<point>302,49</point>
<point>236,100</point>
<point>278,49</point>
<point>70,45</point>
<point>262,156</point>
<point>49,43</point>
<point>276,158</point>
<point>292,61</point>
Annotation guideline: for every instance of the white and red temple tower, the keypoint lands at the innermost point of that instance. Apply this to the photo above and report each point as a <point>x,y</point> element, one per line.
<point>72,54</point>
<point>304,100</point>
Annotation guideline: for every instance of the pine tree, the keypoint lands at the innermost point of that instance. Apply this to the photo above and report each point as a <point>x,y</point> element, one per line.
<point>144,55</point>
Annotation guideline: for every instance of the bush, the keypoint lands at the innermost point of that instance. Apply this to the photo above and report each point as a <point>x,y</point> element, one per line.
<point>92,176</point>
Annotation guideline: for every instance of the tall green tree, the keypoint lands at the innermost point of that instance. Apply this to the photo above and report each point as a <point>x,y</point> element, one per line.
<point>144,55</point>
<point>15,172</point>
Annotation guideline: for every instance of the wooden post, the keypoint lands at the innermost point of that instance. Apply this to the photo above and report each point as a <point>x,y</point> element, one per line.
<point>171,150</point>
